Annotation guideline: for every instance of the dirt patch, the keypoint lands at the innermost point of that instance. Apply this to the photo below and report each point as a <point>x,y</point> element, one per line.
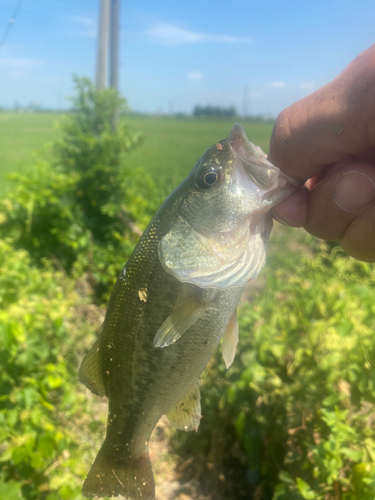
<point>168,468</point>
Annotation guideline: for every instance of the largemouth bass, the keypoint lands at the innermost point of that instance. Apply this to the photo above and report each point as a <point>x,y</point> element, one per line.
<point>173,302</point>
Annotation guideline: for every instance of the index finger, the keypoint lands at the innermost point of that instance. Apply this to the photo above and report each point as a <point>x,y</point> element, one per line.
<point>328,125</point>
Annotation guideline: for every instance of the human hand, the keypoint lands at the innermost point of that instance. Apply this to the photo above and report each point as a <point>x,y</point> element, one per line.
<point>328,140</point>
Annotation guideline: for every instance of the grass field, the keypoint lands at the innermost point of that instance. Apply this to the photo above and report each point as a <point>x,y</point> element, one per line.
<point>20,136</point>
<point>171,146</point>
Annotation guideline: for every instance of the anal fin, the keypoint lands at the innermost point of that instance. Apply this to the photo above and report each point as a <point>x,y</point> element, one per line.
<point>230,340</point>
<point>90,372</point>
<point>186,414</point>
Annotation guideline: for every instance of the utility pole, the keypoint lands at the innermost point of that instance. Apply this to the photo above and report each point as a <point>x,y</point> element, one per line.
<point>103,34</point>
<point>108,42</point>
<point>114,45</point>
<point>114,54</point>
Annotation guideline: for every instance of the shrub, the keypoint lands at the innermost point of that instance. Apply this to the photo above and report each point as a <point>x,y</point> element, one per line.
<point>46,425</point>
<point>83,207</point>
<point>294,417</point>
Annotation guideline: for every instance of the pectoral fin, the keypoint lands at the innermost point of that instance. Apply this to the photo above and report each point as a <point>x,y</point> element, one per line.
<point>182,318</point>
<point>186,414</point>
<point>230,340</point>
<point>90,372</point>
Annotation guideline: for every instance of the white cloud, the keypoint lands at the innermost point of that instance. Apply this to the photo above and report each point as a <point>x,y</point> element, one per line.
<point>195,75</point>
<point>20,62</point>
<point>87,25</point>
<point>307,86</point>
<point>85,20</point>
<point>168,34</point>
<point>278,85</point>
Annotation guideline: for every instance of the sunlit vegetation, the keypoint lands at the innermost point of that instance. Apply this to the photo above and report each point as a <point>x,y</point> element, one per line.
<point>292,419</point>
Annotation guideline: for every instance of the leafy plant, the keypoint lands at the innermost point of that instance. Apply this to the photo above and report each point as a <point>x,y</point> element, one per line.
<point>294,418</point>
<point>45,422</point>
<point>83,207</point>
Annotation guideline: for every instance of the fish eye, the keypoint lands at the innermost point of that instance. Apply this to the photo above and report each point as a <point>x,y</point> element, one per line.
<point>208,178</point>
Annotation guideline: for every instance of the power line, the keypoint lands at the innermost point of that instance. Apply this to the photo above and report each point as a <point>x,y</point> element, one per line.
<point>10,23</point>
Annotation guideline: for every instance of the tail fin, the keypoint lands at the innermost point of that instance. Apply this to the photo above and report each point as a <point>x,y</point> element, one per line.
<point>111,476</point>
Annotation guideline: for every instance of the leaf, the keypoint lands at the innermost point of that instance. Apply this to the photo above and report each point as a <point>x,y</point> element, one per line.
<point>10,490</point>
<point>54,381</point>
<point>331,400</point>
<point>19,454</point>
<point>354,455</point>
<point>305,489</point>
<point>286,478</point>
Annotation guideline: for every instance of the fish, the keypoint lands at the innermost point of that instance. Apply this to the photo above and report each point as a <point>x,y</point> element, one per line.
<point>173,302</point>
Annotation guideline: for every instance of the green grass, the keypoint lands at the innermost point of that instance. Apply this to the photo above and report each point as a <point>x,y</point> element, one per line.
<point>173,146</point>
<point>170,149</point>
<point>21,135</point>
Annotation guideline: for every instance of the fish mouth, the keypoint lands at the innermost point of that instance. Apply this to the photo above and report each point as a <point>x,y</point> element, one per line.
<point>254,171</point>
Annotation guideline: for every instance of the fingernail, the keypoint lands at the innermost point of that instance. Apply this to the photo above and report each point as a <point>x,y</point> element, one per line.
<point>354,191</point>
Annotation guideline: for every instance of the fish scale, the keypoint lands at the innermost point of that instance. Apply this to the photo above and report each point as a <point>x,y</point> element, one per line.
<point>172,304</point>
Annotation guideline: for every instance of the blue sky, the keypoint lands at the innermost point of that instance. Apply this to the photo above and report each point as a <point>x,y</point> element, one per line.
<point>175,55</point>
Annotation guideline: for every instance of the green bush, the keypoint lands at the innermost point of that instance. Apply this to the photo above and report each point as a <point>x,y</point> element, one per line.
<point>83,207</point>
<point>294,418</point>
<point>68,224</point>
<point>46,425</point>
